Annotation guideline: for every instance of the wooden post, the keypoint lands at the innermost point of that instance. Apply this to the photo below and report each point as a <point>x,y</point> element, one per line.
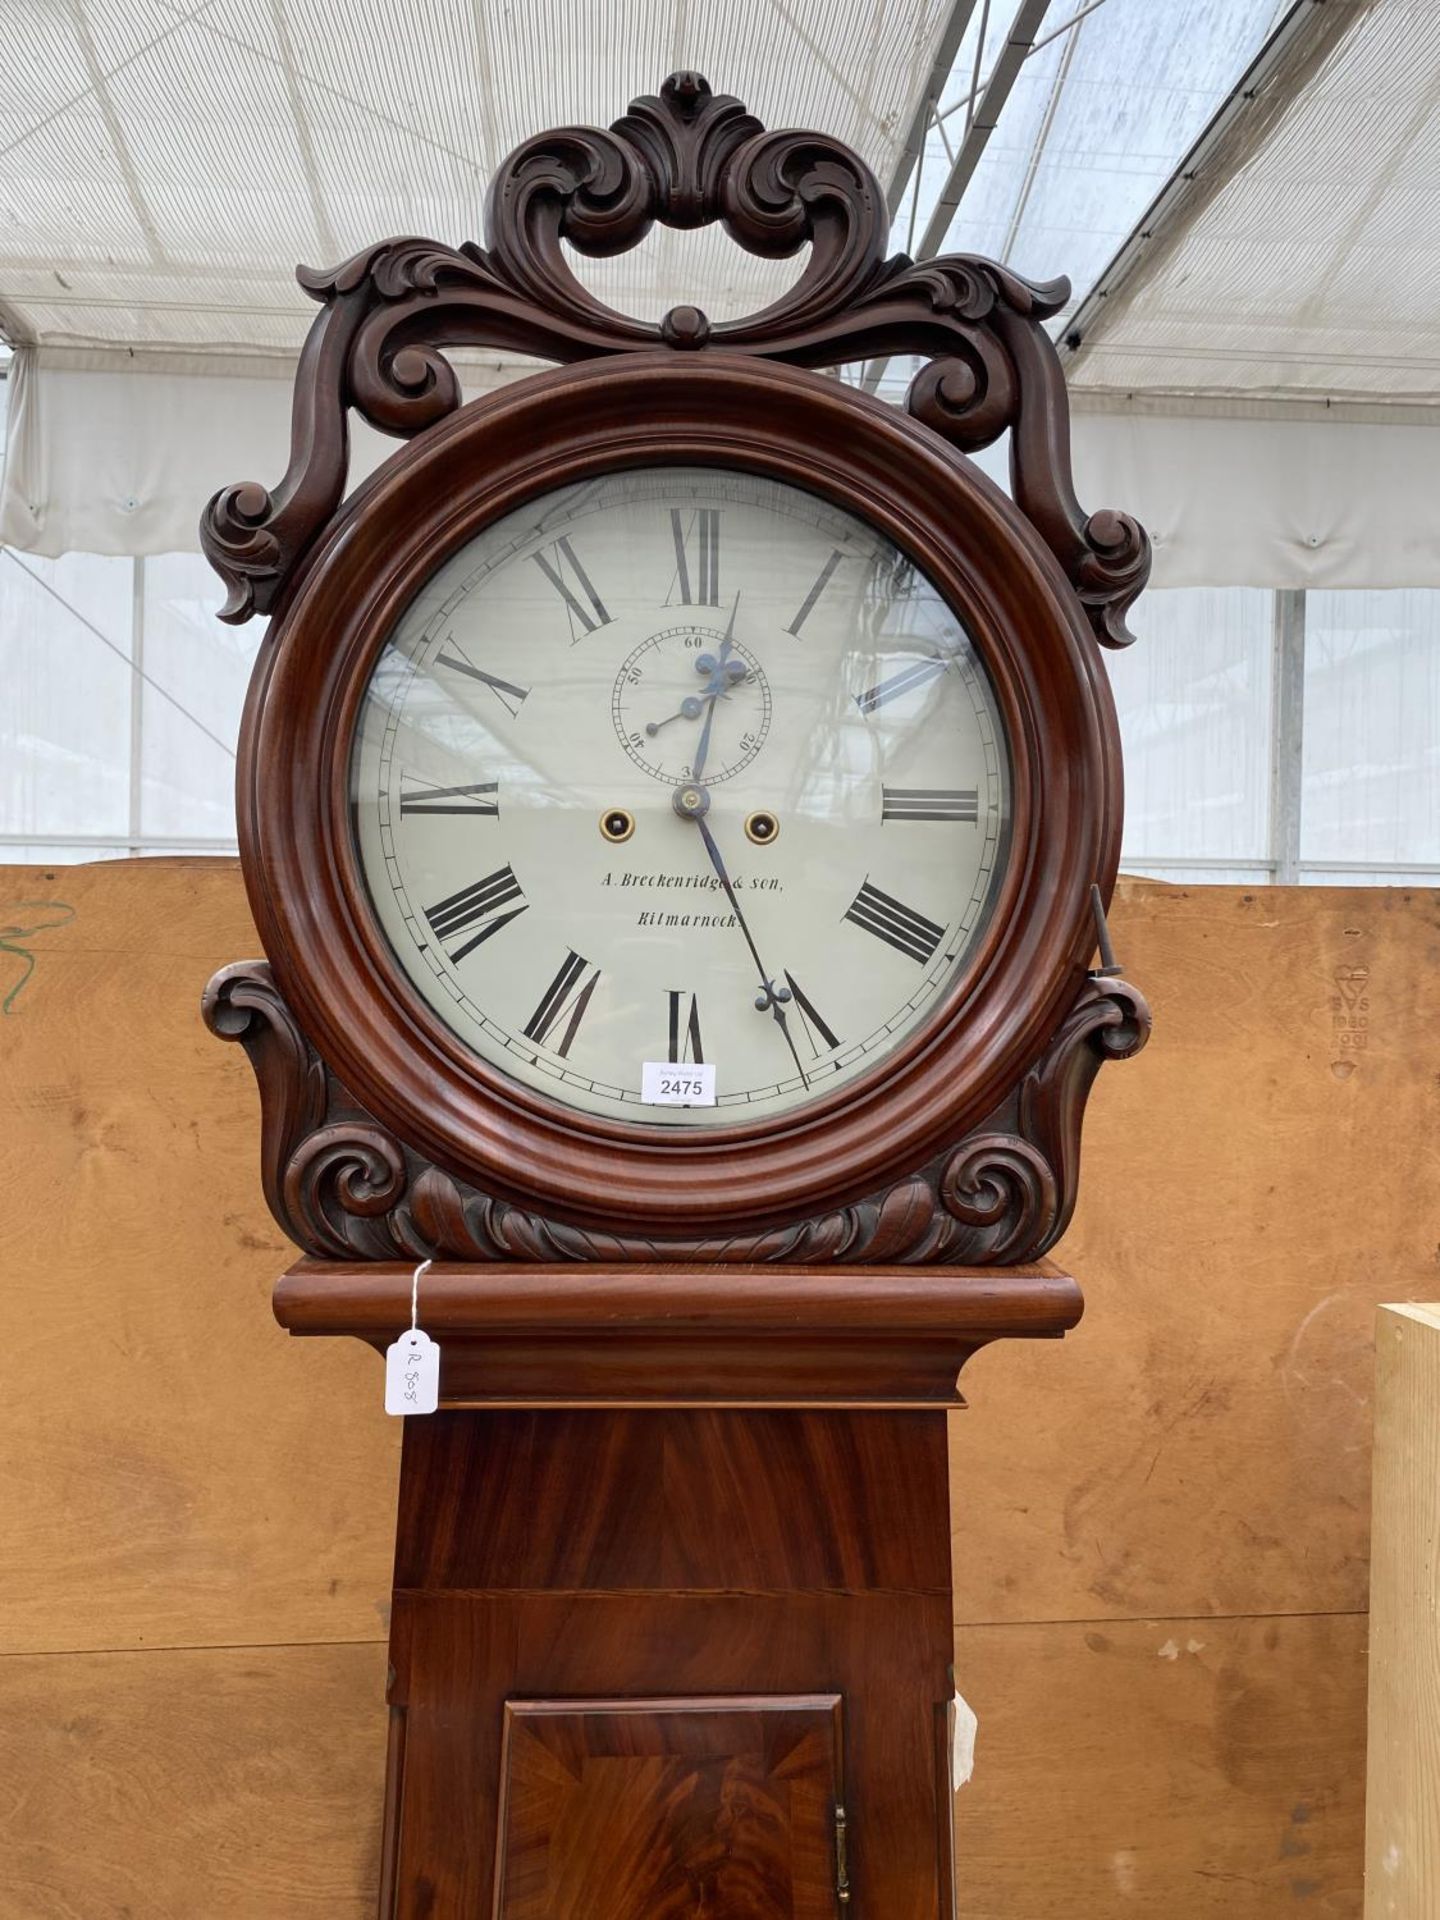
<point>1402,1838</point>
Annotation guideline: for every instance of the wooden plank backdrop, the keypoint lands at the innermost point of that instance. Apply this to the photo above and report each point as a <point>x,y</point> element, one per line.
<point>1160,1525</point>
<point>1402,1837</point>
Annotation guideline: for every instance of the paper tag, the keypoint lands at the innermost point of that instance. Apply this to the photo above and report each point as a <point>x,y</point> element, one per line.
<point>412,1374</point>
<point>663,1083</point>
<point>963,1728</point>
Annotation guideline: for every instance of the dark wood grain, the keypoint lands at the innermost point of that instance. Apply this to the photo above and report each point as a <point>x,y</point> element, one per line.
<point>687,157</point>
<point>693,1463</point>
<point>645,1555</point>
<point>677,1501</point>
<point>688,1335</point>
<point>961,1146</point>
<point>665,1809</point>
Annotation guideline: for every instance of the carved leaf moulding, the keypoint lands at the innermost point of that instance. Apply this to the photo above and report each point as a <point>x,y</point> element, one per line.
<point>686,157</point>
<point>342,1186</point>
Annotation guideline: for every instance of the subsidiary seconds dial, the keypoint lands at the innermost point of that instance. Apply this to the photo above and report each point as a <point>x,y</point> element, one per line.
<point>695,660</point>
<point>681,766</point>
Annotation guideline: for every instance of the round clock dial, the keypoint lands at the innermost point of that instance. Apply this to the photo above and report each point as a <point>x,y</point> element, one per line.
<point>681,786</point>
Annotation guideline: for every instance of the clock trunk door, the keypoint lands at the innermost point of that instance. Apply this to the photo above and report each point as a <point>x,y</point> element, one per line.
<point>674,1809</point>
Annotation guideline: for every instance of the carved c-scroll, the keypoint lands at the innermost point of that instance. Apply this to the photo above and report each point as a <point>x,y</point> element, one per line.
<point>685,157</point>
<point>340,1185</point>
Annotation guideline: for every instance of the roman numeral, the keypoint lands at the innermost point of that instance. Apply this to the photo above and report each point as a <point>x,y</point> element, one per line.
<point>807,605</point>
<point>563,996</point>
<point>477,801</point>
<point>559,566</point>
<point>810,1020</point>
<point>930,803</point>
<point>684,1028</point>
<point>700,587</point>
<point>476,907</point>
<point>896,924</point>
<point>916,675</point>
<point>511,697</point>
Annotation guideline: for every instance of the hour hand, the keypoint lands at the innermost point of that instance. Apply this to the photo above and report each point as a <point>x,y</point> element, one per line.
<point>688,709</point>
<point>722,673</point>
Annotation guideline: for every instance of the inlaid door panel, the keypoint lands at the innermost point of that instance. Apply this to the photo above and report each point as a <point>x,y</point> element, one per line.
<point>719,1808</point>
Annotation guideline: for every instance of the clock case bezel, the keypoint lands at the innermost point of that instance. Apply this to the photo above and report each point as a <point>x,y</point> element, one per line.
<point>335,966</point>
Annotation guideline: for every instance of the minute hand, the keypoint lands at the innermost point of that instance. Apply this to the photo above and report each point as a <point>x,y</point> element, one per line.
<point>769,995</point>
<point>713,693</point>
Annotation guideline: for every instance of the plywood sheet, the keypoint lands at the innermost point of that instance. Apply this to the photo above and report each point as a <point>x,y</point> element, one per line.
<point>180,1472</point>
<point>233,1783</point>
<point>1190,1769</point>
<point>185,1475</point>
<point>1255,1184</point>
<point>1200,1770</point>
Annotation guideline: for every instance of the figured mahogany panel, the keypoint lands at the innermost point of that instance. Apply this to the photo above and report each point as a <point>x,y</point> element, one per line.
<point>675,1501</point>
<point>459,1658</point>
<point>666,1555</point>
<point>668,1809</point>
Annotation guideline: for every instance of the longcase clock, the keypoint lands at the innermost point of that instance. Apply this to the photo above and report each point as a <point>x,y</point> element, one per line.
<point>678,797</point>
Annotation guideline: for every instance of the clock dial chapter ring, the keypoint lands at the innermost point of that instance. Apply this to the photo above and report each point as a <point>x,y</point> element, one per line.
<point>338,971</point>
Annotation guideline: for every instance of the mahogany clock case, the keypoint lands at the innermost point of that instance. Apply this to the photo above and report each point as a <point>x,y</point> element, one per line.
<point>333,963</point>
<point>384,1136</point>
<point>686,1503</point>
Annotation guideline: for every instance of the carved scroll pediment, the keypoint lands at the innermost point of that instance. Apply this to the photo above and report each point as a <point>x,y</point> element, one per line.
<point>685,157</point>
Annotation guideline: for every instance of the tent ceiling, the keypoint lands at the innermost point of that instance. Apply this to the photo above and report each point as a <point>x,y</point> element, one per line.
<point>1309,267</point>
<point>166,165</point>
<point>1097,119</point>
<point>1099,115</point>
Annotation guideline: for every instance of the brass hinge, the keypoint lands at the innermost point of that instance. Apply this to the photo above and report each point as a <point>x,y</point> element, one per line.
<point>842,1862</point>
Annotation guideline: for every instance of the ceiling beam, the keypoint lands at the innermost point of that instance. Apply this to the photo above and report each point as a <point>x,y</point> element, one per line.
<point>1003,75</point>
<point>1300,40</point>
<point>946,48</point>
<point>1042,140</point>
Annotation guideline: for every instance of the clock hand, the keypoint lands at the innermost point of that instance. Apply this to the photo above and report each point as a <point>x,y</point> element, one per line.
<point>697,766</point>
<point>689,709</point>
<point>720,674</point>
<point>690,803</point>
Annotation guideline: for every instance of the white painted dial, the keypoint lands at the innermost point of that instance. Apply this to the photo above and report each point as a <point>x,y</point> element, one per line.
<point>681,764</point>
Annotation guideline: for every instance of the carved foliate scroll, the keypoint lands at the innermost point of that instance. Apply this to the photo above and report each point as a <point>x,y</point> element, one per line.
<point>686,157</point>
<point>341,1186</point>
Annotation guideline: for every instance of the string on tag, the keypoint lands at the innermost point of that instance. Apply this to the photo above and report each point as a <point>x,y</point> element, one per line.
<point>412,1361</point>
<point>424,1267</point>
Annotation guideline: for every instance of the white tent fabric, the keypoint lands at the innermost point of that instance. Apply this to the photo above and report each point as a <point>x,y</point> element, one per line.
<point>1279,501</point>
<point>105,458</point>
<point>1097,119</point>
<point>164,170</point>
<point>106,462</point>
<point>1309,266</point>
<point>165,167</point>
